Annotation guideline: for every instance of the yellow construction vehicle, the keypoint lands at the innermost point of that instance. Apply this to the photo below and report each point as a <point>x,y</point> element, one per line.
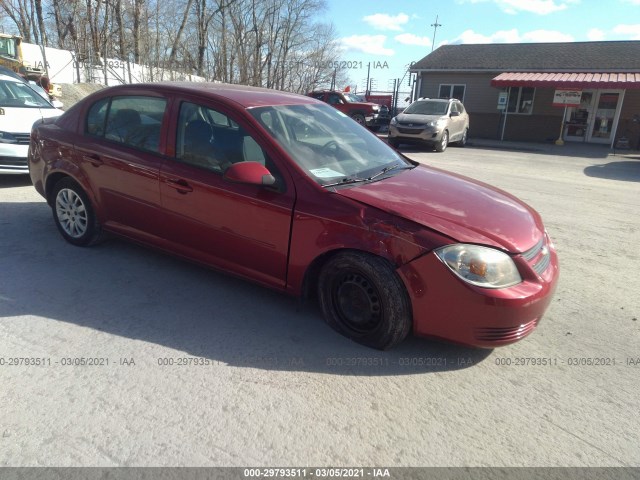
<point>11,58</point>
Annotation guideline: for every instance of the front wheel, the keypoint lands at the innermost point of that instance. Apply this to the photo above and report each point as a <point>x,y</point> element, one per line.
<point>441,146</point>
<point>463,141</point>
<point>359,118</point>
<point>73,213</point>
<point>364,299</point>
<point>393,142</point>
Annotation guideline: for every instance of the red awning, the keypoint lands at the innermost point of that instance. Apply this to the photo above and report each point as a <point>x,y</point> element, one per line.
<point>567,80</point>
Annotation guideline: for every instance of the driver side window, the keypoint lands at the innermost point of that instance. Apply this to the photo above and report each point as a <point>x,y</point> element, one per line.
<point>209,139</point>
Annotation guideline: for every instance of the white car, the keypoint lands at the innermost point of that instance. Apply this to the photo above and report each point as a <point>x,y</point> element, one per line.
<point>20,108</point>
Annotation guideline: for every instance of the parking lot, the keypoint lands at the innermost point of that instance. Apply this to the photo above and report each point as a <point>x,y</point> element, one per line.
<point>192,367</point>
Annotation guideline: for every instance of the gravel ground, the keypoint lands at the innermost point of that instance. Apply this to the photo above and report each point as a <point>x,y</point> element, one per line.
<point>74,92</point>
<point>280,388</point>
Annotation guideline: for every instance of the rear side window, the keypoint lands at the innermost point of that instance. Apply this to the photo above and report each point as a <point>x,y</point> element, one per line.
<point>97,117</point>
<point>135,121</point>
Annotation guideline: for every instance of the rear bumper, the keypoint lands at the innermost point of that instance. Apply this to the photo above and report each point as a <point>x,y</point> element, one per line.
<point>446,307</point>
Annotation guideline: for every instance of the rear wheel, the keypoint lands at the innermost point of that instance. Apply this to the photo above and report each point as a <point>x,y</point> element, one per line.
<point>73,213</point>
<point>441,146</point>
<point>364,299</point>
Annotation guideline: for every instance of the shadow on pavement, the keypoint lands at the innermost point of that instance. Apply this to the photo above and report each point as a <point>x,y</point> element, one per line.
<point>10,181</point>
<point>549,148</point>
<point>628,171</point>
<point>582,150</point>
<point>130,291</point>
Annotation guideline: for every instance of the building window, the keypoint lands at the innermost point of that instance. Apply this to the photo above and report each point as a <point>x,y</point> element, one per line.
<point>452,91</point>
<point>521,100</point>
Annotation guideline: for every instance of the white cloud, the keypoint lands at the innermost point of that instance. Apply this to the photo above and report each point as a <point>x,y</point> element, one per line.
<point>541,36</point>
<point>382,21</point>
<point>541,7</point>
<point>633,2</point>
<point>511,36</point>
<point>411,39</point>
<point>595,34</point>
<point>632,32</point>
<point>373,44</point>
<point>502,36</point>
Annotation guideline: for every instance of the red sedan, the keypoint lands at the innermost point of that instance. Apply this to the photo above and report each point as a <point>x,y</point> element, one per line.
<point>288,192</point>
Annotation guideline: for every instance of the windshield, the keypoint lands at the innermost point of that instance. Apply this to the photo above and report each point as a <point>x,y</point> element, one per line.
<point>353,98</point>
<point>427,107</point>
<point>18,94</point>
<point>327,144</point>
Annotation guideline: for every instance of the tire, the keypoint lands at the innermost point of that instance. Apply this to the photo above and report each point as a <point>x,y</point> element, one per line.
<point>393,142</point>
<point>441,146</point>
<point>463,141</point>
<point>362,298</point>
<point>73,213</point>
<point>358,117</point>
<point>375,128</point>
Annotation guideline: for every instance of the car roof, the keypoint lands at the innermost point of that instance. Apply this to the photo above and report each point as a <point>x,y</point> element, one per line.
<point>443,100</point>
<point>245,96</point>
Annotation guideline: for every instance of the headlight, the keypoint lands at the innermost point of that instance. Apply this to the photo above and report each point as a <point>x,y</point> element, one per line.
<point>6,137</point>
<point>480,266</point>
<point>436,123</point>
<point>394,121</point>
<point>375,108</point>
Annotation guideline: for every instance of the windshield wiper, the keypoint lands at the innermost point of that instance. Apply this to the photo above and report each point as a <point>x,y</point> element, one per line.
<point>388,169</point>
<point>347,180</point>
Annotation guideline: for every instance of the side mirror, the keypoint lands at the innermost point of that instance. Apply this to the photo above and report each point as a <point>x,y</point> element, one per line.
<point>454,114</point>
<point>251,173</point>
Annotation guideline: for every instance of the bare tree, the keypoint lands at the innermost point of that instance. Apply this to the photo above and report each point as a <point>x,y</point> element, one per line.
<point>20,13</point>
<point>270,43</point>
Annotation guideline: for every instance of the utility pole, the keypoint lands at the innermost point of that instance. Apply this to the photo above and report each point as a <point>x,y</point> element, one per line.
<point>435,28</point>
<point>368,78</point>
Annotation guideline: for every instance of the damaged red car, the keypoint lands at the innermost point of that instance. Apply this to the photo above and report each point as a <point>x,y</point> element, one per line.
<point>287,191</point>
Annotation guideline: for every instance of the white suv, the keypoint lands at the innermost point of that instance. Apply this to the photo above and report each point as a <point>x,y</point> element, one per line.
<point>435,122</point>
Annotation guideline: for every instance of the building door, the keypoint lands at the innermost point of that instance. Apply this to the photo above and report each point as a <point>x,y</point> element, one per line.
<point>578,118</point>
<point>605,114</point>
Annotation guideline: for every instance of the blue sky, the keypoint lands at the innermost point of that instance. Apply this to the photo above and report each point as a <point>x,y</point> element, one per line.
<point>399,32</point>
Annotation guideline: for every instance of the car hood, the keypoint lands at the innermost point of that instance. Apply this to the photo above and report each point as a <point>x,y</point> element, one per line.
<point>20,120</point>
<point>458,207</point>
<point>418,118</point>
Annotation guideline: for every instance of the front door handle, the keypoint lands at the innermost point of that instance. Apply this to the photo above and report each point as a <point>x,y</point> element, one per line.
<point>180,185</point>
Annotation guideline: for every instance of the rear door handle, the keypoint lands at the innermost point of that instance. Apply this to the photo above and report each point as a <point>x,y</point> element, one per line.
<point>93,159</point>
<point>180,185</point>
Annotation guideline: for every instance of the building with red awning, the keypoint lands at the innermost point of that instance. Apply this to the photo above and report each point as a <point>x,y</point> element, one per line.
<point>577,91</point>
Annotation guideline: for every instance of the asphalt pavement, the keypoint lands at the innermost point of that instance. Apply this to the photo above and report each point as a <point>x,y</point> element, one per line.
<point>117,355</point>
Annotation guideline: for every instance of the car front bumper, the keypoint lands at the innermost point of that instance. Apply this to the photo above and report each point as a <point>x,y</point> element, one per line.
<point>13,158</point>
<point>377,120</point>
<point>421,134</point>
<point>448,308</point>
